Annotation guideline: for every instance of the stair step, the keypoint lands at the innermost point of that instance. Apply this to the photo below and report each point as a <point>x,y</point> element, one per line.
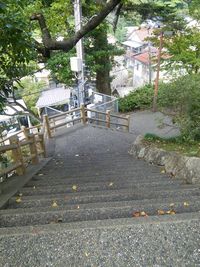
<point>43,181</point>
<point>98,196</point>
<point>53,215</point>
<point>156,240</point>
<point>44,190</point>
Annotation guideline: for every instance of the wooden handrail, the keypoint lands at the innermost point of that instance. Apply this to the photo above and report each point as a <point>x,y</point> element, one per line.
<point>84,118</point>
<point>118,117</point>
<point>95,111</point>
<point>16,146</point>
<point>64,123</point>
<point>5,148</point>
<point>7,138</point>
<point>64,113</point>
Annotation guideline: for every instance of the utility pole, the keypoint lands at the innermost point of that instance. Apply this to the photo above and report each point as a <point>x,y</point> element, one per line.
<point>157,74</point>
<point>149,53</point>
<point>79,51</point>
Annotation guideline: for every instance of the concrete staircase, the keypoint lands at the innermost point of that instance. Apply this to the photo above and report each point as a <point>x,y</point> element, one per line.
<point>80,209</point>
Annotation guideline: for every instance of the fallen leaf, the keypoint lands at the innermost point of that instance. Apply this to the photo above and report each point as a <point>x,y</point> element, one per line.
<point>40,174</point>
<point>186,204</point>
<point>136,214</point>
<point>162,171</point>
<point>143,213</point>
<point>34,187</point>
<point>87,254</point>
<point>18,200</point>
<point>78,207</point>
<point>54,204</point>
<point>171,204</point>
<point>20,194</point>
<point>161,212</point>
<point>170,212</point>
<point>111,184</point>
<point>74,187</point>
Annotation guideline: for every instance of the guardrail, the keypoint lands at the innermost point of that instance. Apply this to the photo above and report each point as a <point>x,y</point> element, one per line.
<point>86,115</point>
<point>13,146</point>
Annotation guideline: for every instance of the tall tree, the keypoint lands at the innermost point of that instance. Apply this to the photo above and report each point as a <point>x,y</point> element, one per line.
<point>18,46</point>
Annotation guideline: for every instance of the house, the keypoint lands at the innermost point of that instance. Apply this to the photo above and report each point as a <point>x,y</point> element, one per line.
<point>139,54</point>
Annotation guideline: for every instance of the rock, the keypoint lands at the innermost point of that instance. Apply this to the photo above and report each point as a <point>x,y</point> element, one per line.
<point>186,168</point>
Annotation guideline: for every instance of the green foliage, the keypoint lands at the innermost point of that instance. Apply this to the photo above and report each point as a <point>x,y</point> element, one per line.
<point>59,65</point>
<point>16,45</point>
<point>139,99</point>
<point>30,91</point>
<point>177,144</point>
<point>183,97</point>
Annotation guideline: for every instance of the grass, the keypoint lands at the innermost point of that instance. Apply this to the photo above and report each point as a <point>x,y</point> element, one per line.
<point>176,144</point>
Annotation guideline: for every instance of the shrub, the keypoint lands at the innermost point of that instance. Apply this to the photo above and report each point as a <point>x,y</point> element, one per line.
<point>139,99</point>
<point>183,97</point>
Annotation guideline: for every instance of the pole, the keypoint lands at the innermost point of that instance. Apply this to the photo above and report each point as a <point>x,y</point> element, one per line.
<point>79,50</point>
<point>157,74</point>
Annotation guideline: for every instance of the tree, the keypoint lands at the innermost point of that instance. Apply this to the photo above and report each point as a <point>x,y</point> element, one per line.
<point>19,47</point>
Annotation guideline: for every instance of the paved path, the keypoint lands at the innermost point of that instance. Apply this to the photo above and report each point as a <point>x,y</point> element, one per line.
<point>143,122</point>
<point>78,210</point>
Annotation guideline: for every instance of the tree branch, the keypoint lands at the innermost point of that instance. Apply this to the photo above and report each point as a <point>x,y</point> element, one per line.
<point>68,44</point>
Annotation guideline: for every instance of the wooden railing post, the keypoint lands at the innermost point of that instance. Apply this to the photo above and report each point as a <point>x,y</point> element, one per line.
<point>128,123</point>
<point>33,148</point>
<point>47,124</point>
<point>42,143</point>
<point>83,117</point>
<point>17,155</point>
<point>25,131</point>
<point>108,118</point>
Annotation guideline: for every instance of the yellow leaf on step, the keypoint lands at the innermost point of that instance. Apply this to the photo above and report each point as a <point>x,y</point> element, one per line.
<point>171,205</point>
<point>161,212</point>
<point>54,204</point>
<point>87,254</point>
<point>162,171</point>
<point>74,187</point>
<point>143,213</point>
<point>171,212</point>
<point>111,184</point>
<point>34,187</point>
<point>136,214</point>
<point>186,204</point>
<point>18,200</point>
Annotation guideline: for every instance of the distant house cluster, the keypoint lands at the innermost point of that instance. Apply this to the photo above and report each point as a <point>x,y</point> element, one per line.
<point>139,54</point>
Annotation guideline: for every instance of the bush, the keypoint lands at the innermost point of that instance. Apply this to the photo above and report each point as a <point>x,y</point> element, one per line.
<point>139,99</point>
<point>183,97</point>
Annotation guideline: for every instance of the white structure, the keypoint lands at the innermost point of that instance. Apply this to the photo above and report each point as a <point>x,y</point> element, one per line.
<point>13,117</point>
<point>51,98</point>
<point>139,54</point>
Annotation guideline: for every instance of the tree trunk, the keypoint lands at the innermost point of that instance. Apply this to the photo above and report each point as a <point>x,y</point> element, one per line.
<point>103,82</point>
<point>103,61</point>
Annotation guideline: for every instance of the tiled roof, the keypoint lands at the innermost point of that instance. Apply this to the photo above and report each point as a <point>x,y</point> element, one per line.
<point>142,33</point>
<point>143,57</point>
<point>53,97</point>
